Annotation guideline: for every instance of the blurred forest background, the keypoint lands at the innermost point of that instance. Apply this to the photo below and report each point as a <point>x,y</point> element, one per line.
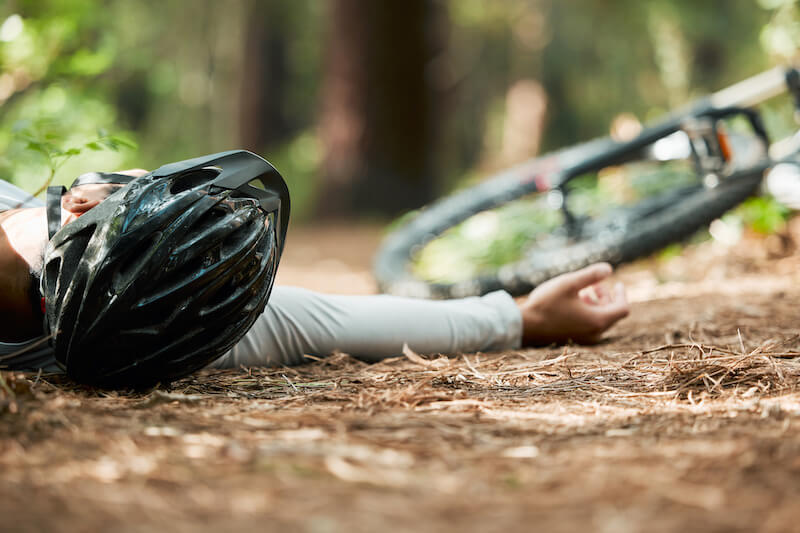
<point>367,108</point>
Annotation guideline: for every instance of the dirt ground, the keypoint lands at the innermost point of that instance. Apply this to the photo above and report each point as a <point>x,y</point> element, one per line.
<point>686,419</point>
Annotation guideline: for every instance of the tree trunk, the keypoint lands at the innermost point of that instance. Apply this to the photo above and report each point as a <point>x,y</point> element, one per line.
<point>378,122</point>
<point>262,117</point>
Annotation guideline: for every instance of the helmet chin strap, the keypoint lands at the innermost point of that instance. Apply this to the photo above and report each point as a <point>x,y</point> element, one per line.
<point>53,209</point>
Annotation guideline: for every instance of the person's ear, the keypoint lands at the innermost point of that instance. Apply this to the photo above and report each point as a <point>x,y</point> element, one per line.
<point>76,204</point>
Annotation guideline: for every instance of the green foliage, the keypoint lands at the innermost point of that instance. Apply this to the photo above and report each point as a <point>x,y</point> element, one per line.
<point>763,214</point>
<point>297,162</point>
<point>56,119</point>
<point>671,251</point>
<point>780,37</point>
<point>174,77</point>
<point>46,138</point>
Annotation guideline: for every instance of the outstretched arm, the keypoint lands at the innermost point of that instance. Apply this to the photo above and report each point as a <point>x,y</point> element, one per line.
<point>298,322</point>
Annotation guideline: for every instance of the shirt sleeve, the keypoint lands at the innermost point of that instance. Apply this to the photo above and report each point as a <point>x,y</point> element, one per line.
<point>298,322</point>
<point>12,197</point>
<point>29,356</point>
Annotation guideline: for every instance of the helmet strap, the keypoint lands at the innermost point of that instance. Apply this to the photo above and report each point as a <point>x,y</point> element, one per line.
<point>53,209</point>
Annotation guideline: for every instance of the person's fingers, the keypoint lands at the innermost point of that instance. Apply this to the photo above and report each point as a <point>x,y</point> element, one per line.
<point>575,281</point>
<point>616,310</point>
<point>77,204</point>
<point>597,294</point>
<point>604,295</point>
<point>600,319</point>
<point>590,295</point>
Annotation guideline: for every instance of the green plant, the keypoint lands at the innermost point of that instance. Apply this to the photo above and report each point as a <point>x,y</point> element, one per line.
<point>45,138</point>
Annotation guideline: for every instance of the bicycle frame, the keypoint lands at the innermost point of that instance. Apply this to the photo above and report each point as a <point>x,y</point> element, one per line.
<point>700,121</point>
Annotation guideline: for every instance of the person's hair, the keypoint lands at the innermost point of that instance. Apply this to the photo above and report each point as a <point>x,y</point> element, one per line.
<point>17,324</point>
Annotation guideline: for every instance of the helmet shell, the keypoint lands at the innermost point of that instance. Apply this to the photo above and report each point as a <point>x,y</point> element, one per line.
<point>167,273</point>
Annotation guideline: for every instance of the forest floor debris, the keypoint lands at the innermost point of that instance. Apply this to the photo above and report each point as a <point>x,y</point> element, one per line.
<point>686,418</point>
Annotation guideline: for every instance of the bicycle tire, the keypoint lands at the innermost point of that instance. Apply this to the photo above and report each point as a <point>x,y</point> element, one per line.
<point>675,222</point>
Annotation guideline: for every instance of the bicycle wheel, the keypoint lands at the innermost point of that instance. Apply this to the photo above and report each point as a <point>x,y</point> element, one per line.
<point>552,240</point>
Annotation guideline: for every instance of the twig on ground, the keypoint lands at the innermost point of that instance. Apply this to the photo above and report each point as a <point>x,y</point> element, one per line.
<point>158,397</point>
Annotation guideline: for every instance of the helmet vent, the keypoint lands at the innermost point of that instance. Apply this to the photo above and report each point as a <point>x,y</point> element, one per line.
<point>52,270</point>
<point>257,183</point>
<point>134,264</point>
<point>193,179</point>
<point>219,212</point>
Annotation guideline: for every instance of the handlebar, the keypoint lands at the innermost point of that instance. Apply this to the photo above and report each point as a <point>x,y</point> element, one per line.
<point>755,89</point>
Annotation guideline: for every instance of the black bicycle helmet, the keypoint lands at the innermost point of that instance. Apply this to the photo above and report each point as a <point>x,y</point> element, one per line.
<point>167,273</point>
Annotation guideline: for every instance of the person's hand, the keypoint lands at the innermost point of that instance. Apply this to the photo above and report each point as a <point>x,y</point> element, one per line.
<point>81,199</point>
<point>574,306</point>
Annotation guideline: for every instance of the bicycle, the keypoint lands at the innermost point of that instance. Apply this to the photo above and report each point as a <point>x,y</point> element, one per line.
<point>704,168</point>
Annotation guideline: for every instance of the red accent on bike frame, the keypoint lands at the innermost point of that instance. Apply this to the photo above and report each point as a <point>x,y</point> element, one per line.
<point>42,304</point>
<point>547,168</point>
<point>542,181</point>
<point>724,145</point>
<point>540,172</point>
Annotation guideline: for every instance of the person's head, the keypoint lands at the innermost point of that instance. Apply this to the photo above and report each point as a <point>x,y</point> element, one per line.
<point>23,237</point>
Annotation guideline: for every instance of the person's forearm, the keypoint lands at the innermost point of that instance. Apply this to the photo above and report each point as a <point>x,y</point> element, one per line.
<point>298,322</point>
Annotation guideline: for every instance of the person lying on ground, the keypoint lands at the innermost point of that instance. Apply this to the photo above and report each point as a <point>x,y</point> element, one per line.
<point>577,306</point>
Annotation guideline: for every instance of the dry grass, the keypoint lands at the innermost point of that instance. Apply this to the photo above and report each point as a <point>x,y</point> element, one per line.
<point>685,419</point>
<point>668,437</point>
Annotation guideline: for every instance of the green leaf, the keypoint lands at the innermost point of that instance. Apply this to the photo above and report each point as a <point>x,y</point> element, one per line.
<point>125,143</point>
<point>764,214</point>
<point>38,147</point>
<point>110,144</point>
<point>94,145</point>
